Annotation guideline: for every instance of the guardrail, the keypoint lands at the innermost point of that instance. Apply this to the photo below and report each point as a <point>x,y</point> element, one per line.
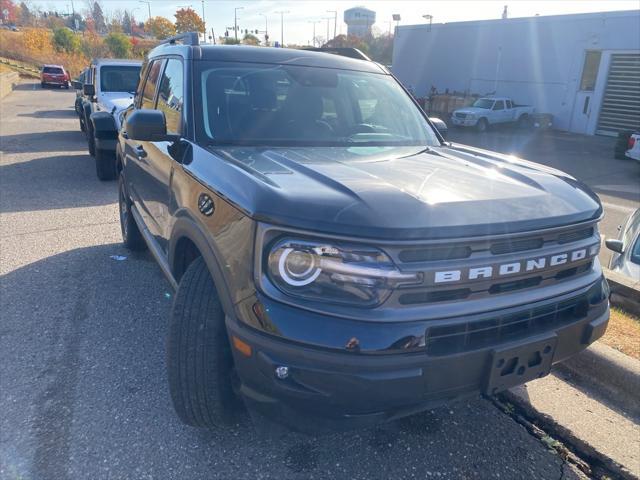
<point>21,68</point>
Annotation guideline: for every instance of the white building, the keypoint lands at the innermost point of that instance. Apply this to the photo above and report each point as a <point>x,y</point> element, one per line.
<point>584,69</point>
<point>359,21</point>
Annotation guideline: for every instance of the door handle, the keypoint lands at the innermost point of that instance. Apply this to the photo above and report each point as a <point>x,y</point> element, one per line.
<point>140,151</point>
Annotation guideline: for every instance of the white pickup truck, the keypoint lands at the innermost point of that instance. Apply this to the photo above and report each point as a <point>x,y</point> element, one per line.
<point>490,111</point>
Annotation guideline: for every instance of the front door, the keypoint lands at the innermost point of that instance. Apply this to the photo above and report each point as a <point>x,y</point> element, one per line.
<point>583,106</point>
<point>155,161</point>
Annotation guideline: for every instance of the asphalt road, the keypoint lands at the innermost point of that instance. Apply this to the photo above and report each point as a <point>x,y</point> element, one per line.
<point>82,379</point>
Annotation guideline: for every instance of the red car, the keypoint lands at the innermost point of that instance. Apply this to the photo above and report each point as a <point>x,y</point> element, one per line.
<point>54,75</point>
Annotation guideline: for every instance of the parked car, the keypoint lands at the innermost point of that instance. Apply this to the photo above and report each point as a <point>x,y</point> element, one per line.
<point>335,263</point>
<point>622,144</point>
<point>109,88</point>
<point>78,84</point>
<point>626,248</point>
<point>492,111</point>
<point>54,75</point>
<point>633,147</point>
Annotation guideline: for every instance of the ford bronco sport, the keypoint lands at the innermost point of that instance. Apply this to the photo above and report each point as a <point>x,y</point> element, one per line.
<point>336,263</point>
<point>108,88</point>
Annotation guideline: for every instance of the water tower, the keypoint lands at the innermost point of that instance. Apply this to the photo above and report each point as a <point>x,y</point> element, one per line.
<point>359,21</point>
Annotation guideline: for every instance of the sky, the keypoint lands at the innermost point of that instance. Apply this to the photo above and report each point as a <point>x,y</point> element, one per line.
<point>299,21</point>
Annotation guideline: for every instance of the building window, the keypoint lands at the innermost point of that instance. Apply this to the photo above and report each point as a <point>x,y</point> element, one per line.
<point>590,70</point>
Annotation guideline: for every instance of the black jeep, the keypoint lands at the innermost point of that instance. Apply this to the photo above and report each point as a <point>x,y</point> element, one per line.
<point>336,263</point>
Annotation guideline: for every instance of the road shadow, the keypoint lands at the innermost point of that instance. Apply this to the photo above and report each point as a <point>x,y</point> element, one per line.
<point>83,340</point>
<point>60,181</point>
<point>67,113</point>
<point>57,141</point>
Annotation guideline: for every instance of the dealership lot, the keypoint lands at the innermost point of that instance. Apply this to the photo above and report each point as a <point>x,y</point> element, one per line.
<point>83,390</point>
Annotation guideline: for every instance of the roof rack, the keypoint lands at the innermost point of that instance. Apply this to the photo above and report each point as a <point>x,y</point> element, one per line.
<point>342,51</point>
<point>187,38</point>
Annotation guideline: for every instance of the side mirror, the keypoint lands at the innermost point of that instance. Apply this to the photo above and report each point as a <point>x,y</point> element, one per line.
<point>89,89</point>
<point>148,125</point>
<point>614,245</point>
<point>440,126</point>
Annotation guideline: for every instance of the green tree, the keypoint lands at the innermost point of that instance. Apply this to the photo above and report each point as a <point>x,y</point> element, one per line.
<point>119,44</point>
<point>250,39</point>
<point>64,40</point>
<point>97,15</point>
<point>187,20</point>
<point>160,27</point>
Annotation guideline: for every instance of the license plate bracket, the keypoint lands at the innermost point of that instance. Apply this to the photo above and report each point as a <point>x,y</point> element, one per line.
<point>514,365</point>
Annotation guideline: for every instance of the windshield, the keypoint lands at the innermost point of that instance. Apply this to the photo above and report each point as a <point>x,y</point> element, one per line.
<point>119,78</point>
<point>483,103</point>
<point>284,105</point>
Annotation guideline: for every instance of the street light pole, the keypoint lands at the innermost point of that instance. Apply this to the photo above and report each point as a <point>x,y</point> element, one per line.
<point>204,30</point>
<point>148,2</point>
<point>314,30</point>
<point>335,21</point>
<point>282,12</point>
<point>235,20</point>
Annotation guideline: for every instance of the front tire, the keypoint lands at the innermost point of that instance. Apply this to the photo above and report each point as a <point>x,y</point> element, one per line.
<point>482,125</point>
<point>131,236</point>
<point>105,164</point>
<point>91,141</point>
<point>199,360</point>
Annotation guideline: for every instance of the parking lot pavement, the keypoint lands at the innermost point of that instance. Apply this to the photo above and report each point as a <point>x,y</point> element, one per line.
<point>82,381</point>
<point>588,158</point>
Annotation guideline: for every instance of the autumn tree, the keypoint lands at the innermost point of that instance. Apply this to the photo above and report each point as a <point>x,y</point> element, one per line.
<point>8,11</point>
<point>160,27</point>
<point>187,20</point>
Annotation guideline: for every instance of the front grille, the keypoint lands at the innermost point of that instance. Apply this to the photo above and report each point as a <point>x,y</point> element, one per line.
<point>528,258</point>
<point>467,336</point>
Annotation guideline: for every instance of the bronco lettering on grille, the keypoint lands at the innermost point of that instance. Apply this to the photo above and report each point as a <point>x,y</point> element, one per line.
<point>511,268</point>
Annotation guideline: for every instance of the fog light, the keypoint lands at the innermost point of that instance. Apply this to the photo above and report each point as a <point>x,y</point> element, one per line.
<point>282,372</point>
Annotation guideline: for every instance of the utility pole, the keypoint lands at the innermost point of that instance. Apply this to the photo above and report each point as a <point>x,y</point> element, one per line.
<point>282,12</point>
<point>73,13</point>
<point>266,29</point>
<point>335,22</point>
<point>148,2</point>
<point>327,19</point>
<point>235,20</point>
<point>314,30</point>
<point>204,30</point>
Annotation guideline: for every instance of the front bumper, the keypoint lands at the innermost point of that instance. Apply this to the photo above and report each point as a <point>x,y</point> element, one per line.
<point>329,389</point>
<point>464,122</point>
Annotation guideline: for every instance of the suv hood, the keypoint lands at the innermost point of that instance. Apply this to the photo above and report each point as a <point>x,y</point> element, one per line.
<point>398,192</point>
<point>119,100</point>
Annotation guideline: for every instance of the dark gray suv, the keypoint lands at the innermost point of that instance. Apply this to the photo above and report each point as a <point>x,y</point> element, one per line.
<point>336,263</point>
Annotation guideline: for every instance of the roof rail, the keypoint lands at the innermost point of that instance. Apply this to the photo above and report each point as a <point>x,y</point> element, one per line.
<point>350,52</point>
<point>187,38</point>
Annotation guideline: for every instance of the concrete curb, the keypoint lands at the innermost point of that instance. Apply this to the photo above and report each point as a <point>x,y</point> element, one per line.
<point>617,374</point>
<point>8,82</point>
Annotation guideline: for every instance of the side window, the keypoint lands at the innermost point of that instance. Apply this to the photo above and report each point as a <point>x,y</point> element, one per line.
<point>499,105</point>
<point>509,105</point>
<point>149,92</point>
<point>171,95</point>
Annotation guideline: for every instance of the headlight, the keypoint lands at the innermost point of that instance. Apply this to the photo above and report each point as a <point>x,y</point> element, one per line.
<point>348,274</point>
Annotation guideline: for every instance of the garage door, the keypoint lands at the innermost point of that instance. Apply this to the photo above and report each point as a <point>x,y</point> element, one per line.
<point>621,103</point>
